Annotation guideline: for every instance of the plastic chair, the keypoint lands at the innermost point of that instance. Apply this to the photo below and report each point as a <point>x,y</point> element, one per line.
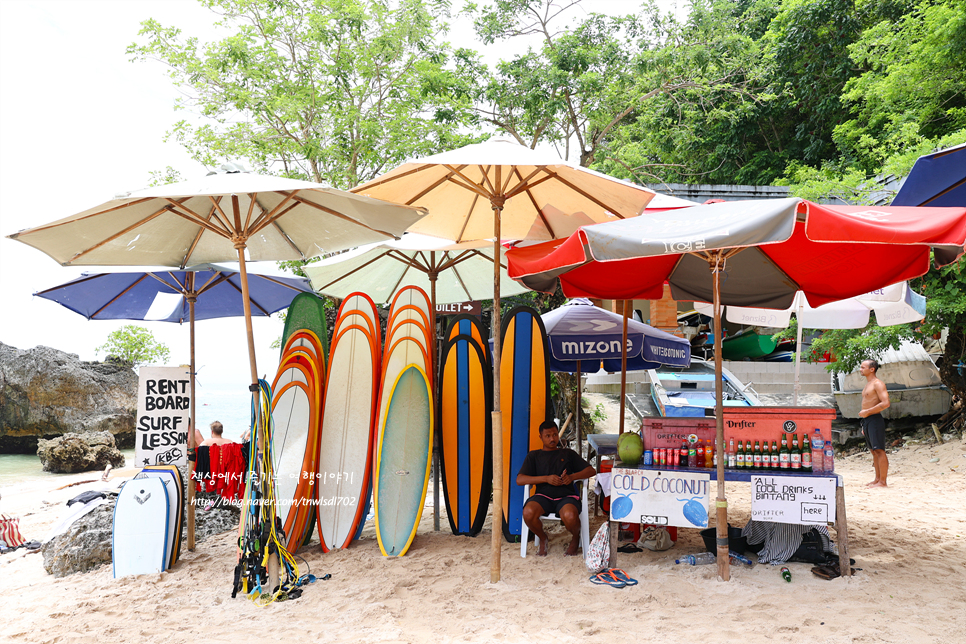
<point>584,525</point>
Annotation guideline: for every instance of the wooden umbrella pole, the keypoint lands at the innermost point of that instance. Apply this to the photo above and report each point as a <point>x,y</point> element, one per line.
<point>577,418</point>
<point>627,305</point>
<point>721,502</point>
<point>497,417</point>
<point>192,448</point>
<point>432,274</point>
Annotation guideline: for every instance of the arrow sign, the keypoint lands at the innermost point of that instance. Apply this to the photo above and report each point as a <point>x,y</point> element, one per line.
<point>455,308</point>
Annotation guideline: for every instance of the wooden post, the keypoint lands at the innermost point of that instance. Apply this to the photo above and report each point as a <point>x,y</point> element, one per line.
<point>192,448</point>
<point>497,417</point>
<point>627,306</point>
<point>842,528</point>
<point>432,274</point>
<point>577,417</point>
<point>721,502</point>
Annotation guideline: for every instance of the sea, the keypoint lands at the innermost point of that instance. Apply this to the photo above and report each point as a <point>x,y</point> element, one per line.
<point>230,406</point>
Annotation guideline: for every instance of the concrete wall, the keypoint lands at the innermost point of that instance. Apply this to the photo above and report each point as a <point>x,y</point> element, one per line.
<point>764,377</point>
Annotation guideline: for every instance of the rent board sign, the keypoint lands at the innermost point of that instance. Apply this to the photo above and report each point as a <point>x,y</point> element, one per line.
<point>805,500</point>
<point>661,498</point>
<point>164,408</point>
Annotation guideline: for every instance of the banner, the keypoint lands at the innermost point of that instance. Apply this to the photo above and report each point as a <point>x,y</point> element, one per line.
<point>660,498</point>
<point>806,500</point>
<point>164,409</point>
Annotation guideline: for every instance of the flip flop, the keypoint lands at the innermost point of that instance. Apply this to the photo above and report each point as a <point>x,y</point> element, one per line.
<point>623,576</point>
<point>606,578</point>
<point>630,547</point>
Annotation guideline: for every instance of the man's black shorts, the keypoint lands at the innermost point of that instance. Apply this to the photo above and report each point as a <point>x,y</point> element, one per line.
<point>553,506</point>
<point>874,429</point>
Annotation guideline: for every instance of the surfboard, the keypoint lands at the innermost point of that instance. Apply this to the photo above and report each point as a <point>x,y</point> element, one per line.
<point>306,312</point>
<point>140,536</point>
<point>174,484</point>
<point>410,296</point>
<point>410,329</point>
<point>525,402</point>
<point>403,461</point>
<point>359,303</point>
<point>294,439</point>
<point>465,324</point>
<point>305,340</point>
<point>346,444</point>
<point>464,433</point>
<point>404,352</point>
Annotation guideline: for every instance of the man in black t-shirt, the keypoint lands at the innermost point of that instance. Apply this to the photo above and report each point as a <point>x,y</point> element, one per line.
<point>553,472</point>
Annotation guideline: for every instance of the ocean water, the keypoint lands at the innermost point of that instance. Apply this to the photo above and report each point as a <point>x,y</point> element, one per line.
<point>230,406</point>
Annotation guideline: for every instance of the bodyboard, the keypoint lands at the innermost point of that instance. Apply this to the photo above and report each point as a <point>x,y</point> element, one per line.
<point>140,532</point>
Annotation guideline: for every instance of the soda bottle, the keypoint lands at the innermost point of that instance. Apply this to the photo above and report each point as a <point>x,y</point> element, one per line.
<point>684,453</point>
<point>740,457</point>
<point>818,451</point>
<point>828,457</point>
<point>784,456</point>
<point>806,455</point>
<point>692,456</point>
<point>786,574</point>
<point>775,457</point>
<point>731,454</point>
<point>710,455</point>
<point>738,558</point>
<point>756,456</point>
<point>697,560</point>
<point>796,454</point>
<point>700,456</point>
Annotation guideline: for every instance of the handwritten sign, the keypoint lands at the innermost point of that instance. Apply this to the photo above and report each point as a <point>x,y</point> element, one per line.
<point>804,500</point>
<point>164,407</point>
<point>661,498</point>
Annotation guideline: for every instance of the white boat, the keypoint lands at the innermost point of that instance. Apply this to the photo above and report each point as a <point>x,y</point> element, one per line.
<point>689,392</point>
<point>911,378</point>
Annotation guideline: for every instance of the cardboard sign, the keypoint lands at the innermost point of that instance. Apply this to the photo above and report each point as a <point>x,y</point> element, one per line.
<point>660,498</point>
<point>455,308</point>
<point>806,500</point>
<point>164,409</point>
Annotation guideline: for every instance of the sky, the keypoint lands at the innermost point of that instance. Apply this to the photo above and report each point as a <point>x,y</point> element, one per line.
<point>80,123</point>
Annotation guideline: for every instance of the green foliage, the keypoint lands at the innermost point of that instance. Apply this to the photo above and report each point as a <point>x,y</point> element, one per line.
<point>334,91</point>
<point>851,346</point>
<point>164,177</point>
<point>134,345</point>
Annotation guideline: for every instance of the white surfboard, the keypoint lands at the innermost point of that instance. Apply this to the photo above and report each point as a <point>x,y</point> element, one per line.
<point>404,352</point>
<point>140,537</point>
<point>292,417</point>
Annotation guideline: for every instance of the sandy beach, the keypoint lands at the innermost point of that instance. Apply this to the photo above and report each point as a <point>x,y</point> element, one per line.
<point>909,540</point>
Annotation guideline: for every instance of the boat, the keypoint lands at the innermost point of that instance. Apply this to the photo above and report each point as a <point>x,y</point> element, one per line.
<point>681,392</point>
<point>911,378</point>
<point>754,342</point>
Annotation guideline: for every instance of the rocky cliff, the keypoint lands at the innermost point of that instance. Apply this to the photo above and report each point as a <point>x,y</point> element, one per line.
<point>45,393</point>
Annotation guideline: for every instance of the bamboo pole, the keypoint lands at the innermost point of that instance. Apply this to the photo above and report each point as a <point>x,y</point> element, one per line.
<point>577,419</point>
<point>627,306</point>
<point>192,448</point>
<point>721,502</point>
<point>432,274</point>
<point>497,417</point>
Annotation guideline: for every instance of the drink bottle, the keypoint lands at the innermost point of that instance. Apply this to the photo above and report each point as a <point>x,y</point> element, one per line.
<point>697,560</point>
<point>738,558</point>
<point>784,456</point>
<point>692,456</point>
<point>740,457</point>
<point>684,453</point>
<point>796,454</point>
<point>731,454</point>
<point>700,455</point>
<point>710,455</point>
<point>775,458</point>
<point>756,456</point>
<point>818,451</point>
<point>786,574</point>
<point>806,454</point>
<point>828,457</point>
<point>765,456</point>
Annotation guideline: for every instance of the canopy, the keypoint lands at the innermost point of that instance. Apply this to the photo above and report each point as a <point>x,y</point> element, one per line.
<point>937,179</point>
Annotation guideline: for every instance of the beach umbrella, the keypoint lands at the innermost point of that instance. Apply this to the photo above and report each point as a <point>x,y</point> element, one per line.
<point>937,179</point>
<point>580,333</point>
<point>746,253</point>
<point>199,292</point>
<point>230,215</point>
<point>892,305</point>
<point>500,190</point>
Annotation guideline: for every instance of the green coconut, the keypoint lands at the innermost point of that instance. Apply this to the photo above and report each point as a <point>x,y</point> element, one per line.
<point>630,449</point>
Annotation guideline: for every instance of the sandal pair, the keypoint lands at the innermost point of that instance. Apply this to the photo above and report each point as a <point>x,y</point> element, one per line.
<point>613,577</point>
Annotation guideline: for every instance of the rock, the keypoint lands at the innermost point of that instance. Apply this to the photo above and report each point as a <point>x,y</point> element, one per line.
<point>84,546</point>
<point>72,453</point>
<point>46,393</point>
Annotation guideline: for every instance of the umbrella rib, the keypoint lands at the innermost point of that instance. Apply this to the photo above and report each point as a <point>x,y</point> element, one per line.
<point>944,192</point>
<point>55,224</point>
<point>484,172</point>
<point>224,219</point>
<point>586,195</point>
<point>287,238</point>
<point>266,217</point>
<point>402,175</point>
<point>533,201</point>
<point>195,241</point>
<point>213,281</point>
<point>399,281</point>
<point>459,259</point>
<point>525,182</point>
<point>469,185</point>
<point>251,209</point>
<point>104,242</point>
<point>178,289</point>
<point>275,280</point>
<point>462,285</point>
<point>254,303</point>
<point>195,218</point>
<point>466,219</point>
<point>79,280</point>
<point>338,214</point>
<point>405,259</point>
<point>116,297</point>
<point>352,272</point>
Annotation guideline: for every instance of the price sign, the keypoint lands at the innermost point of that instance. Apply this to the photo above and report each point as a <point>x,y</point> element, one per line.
<point>804,500</point>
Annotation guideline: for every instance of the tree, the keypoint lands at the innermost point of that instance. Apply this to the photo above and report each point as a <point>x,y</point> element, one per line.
<point>135,346</point>
<point>333,91</point>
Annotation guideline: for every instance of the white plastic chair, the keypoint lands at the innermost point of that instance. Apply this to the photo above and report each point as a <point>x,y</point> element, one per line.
<point>584,525</point>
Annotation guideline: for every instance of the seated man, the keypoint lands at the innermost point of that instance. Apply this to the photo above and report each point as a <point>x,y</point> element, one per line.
<point>216,439</point>
<point>553,472</point>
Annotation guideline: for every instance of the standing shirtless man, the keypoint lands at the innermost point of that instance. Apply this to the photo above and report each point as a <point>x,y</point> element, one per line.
<point>875,399</point>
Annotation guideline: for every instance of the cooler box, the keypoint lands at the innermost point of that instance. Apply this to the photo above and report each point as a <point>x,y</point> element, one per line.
<point>669,432</point>
<point>769,423</point>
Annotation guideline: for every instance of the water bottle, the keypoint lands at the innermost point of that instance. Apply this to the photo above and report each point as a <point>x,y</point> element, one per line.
<point>829,457</point>
<point>698,559</point>
<point>738,558</point>
<point>818,449</point>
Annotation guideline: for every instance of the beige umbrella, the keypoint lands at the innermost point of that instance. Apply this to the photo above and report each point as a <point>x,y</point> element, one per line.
<point>502,190</point>
<point>231,215</point>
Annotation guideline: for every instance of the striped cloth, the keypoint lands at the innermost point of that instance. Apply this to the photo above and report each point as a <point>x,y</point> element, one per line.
<point>10,531</point>
<point>782,539</point>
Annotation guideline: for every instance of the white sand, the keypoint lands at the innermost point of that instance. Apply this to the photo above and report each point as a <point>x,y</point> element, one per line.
<point>908,539</point>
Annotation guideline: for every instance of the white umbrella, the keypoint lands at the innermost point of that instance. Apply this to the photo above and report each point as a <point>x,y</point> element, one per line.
<point>894,304</point>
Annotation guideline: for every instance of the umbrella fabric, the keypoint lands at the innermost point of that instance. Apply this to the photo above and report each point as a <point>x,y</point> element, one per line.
<point>545,197</point>
<point>937,179</point>
<point>463,272</point>
<point>581,331</point>
<point>895,304</point>
<point>135,295</point>
<point>775,247</point>
<point>197,222</point>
